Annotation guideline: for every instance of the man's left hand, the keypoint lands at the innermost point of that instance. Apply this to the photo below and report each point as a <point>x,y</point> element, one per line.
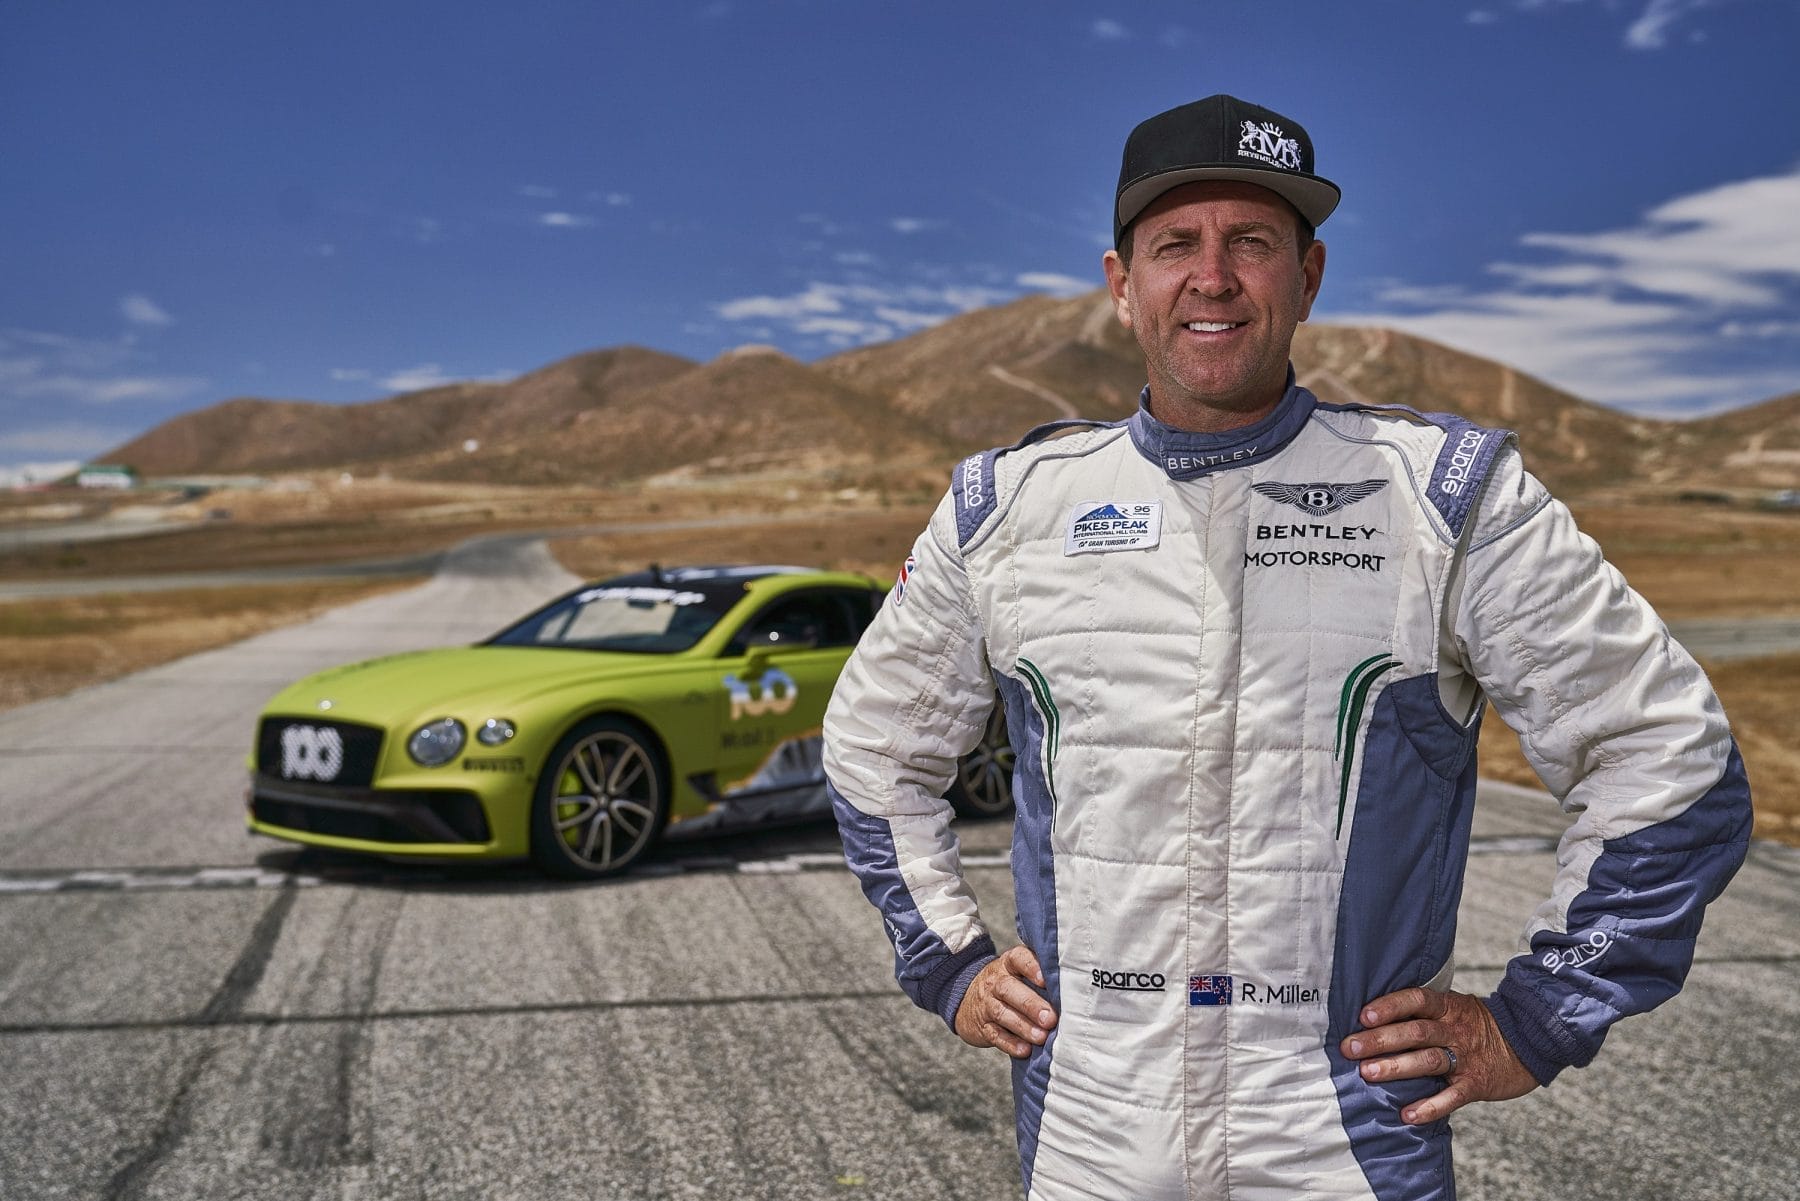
<point>1418,1032</point>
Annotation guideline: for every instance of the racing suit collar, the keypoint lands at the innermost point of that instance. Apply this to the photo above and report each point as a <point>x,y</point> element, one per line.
<point>1186,455</point>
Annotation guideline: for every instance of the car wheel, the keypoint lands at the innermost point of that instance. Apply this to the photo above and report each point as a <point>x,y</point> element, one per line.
<point>601,802</point>
<point>984,778</point>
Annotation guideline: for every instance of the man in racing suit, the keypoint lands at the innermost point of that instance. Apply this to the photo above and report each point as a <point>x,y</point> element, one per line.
<point>1243,640</point>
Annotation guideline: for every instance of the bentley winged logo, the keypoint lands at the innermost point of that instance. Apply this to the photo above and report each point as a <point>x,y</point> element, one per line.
<point>1320,499</point>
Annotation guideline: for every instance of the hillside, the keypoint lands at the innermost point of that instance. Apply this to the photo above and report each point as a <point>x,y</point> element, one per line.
<point>910,407</point>
<point>285,435</point>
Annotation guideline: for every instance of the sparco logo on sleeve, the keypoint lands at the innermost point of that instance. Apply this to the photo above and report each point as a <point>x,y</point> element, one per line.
<point>1097,526</point>
<point>311,753</point>
<point>1590,948</point>
<point>1462,462</point>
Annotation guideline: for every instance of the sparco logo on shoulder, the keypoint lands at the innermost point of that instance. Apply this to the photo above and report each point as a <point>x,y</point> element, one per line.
<point>971,474</point>
<point>1462,461</point>
<point>311,753</point>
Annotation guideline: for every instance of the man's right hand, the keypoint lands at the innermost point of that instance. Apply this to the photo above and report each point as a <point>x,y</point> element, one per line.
<point>1003,1009</point>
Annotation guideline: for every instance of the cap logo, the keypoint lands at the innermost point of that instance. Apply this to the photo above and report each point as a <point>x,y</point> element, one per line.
<point>1269,143</point>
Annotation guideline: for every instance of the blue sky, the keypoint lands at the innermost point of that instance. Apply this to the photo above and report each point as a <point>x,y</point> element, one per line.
<point>336,200</point>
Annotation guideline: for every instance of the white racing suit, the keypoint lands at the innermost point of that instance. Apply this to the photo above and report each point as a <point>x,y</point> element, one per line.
<point>1242,675</point>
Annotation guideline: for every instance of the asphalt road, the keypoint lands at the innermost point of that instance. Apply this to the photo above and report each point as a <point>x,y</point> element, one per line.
<point>186,1012</point>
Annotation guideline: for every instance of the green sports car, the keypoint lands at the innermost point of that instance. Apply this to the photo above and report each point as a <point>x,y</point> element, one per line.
<point>577,735</point>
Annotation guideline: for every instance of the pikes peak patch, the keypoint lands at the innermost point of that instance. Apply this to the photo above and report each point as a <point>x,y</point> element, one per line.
<point>1098,526</point>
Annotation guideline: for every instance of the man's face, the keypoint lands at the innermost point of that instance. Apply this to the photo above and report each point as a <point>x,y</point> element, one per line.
<point>1216,285</point>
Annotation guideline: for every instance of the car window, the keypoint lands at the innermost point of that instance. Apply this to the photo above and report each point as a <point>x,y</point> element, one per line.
<point>818,618</point>
<point>626,615</point>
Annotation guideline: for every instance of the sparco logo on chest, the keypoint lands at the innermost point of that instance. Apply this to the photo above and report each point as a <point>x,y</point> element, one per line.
<point>1129,981</point>
<point>1462,461</point>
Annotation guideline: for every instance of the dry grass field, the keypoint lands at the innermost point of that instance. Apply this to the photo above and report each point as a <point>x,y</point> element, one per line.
<point>50,647</point>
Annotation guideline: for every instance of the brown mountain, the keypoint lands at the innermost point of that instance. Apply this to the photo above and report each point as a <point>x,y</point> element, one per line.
<point>914,405</point>
<point>752,411</point>
<point>287,435</point>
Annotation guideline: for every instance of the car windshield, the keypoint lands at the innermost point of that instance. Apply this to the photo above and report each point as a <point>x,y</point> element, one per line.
<point>640,613</point>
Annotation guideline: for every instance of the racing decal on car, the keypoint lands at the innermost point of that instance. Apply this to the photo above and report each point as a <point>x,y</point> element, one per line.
<point>1096,527</point>
<point>505,764</point>
<point>311,753</point>
<point>774,693</point>
<point>642,595</point>
<point>1320,499</point>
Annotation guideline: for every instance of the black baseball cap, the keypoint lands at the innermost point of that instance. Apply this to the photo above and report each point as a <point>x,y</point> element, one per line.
<point>1220,137</point>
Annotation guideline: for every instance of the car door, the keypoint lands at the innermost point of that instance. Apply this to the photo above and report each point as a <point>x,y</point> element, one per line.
<point>776,678</point>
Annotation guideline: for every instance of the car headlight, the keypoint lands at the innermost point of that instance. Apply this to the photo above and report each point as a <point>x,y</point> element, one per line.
<point>436,743</point>
<point>495,731</point>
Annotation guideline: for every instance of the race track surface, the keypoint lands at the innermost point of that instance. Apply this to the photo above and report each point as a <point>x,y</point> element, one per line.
<point>187,1012</point>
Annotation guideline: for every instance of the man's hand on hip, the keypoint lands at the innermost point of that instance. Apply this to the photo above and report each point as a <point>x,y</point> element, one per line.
<point>1418,1032</point>
<point>1003,1009</point>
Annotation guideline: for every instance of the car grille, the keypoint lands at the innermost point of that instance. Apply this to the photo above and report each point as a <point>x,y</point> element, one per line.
<point>301,750</point>
<point>387,816</point>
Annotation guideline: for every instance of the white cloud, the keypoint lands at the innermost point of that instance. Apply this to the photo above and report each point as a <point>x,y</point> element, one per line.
<point>617,199</point>
<point>565,220</point>
<point>537,191</point>
<point>1175,36</point>
<point>854,258</point>
<point>913,225</point>
<point>818,298</point>
<point>63,438</point>
<point>1760,329</point>
<point>433,375</point>
<point>426,230</point>
<point>412,379</point>
<point>38,367</point>
<point>848,314</point>
<point>1055,283</point>
<point>1634,316</point>
<point>141,310</point>
<point>349,375</point>
<point>1650,30</point>
<point>1480,16</point>
<point>1108,30</point>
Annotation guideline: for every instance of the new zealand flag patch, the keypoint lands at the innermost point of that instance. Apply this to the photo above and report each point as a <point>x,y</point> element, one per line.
<point>1209,990</point>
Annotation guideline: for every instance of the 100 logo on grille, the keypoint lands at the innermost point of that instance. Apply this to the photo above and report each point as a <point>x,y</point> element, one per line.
<point>311,753</point>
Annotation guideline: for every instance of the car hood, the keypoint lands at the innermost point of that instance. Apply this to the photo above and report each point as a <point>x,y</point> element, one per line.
<point>455,681</point>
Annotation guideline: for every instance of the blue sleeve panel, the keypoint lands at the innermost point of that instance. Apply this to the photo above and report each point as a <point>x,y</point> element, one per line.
<point>1631,933</point>
<point>1462,464</point>
<point>972,483</point>
<point>928,971</point>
